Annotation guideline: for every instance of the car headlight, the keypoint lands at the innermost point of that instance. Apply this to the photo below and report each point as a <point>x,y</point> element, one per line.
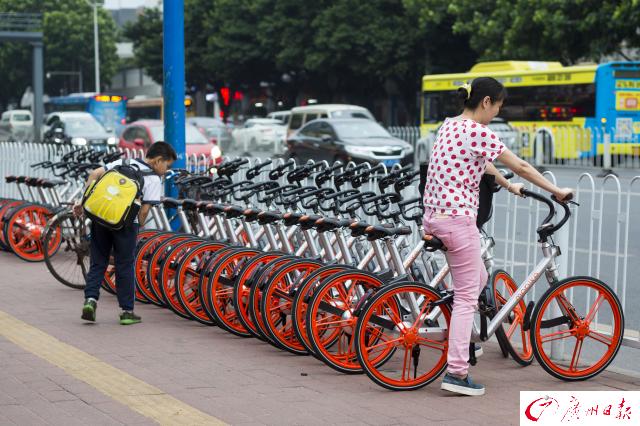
<point>408,150</point>
<point>357,150</point>
<point>215,152</point>
<point>112,140</point>
<point>78,141</point>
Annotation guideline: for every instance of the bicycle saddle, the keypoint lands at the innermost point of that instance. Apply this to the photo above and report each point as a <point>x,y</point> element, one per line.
<point>215,208</point>
<point>433,243</point>
<point>329,224</point>
<point>233,211</point>
<point>291,219</point>
<point>202,205</point>
<point>171,202</point>
<point>358,228</point>
<point>50,183</point>
<point>309,221</point>
<point>268,217</point>
<point>376,232</point>
<point>189,204</point>
<point>33,181</point>
<point>10,179</point>
<point>251,215</point>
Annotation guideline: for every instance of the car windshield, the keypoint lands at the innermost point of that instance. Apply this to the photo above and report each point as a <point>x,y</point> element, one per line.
<point>351,113</point>
<point>21,117</point>
<point>82,126</point>
<point>360,129</point>
<point>192,135</point>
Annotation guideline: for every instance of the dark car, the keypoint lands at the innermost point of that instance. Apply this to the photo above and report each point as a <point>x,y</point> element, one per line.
<point>352,139</point>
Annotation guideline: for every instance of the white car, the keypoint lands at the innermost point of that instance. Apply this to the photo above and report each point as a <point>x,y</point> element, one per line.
<point>81,127</point>
<point>280,115</point>
<point>260,133</point>
<point>16,124</point>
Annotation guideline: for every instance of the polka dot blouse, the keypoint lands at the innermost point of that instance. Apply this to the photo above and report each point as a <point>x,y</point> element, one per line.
<point>458,161</point>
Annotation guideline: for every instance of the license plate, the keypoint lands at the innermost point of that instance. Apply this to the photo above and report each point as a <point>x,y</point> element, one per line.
<point>390,163</point>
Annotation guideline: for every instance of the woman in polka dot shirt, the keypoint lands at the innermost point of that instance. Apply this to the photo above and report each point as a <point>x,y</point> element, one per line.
<point>464,150</point>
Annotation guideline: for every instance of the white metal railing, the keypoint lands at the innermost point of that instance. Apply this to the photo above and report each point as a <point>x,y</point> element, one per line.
<point>565,145</point>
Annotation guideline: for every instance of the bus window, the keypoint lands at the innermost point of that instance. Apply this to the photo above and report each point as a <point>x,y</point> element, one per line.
<point>549,103</point>
<point>439,105</point>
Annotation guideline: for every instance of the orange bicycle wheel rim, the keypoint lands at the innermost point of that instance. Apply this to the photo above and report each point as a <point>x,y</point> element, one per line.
<point>580,331</point>
<point>328,330</point>
<point>406,343</point>
<point>189,280</point>
<point>300,306</point>
<point>25,230</point>
<point>242,292</point>
<point>276,302</point>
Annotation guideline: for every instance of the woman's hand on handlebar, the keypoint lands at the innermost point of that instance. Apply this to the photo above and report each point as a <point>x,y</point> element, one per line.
<point>516,188</point>
<point>563,194</point>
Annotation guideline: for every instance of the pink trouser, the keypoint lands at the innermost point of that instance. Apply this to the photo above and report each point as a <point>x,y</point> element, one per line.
<point>462,239</point>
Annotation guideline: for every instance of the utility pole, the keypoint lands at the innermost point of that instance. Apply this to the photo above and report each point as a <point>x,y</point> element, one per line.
<point>96,41</point>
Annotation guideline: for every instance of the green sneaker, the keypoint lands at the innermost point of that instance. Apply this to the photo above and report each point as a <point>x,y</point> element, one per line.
<point>89,309</point>
<point>128,318</point>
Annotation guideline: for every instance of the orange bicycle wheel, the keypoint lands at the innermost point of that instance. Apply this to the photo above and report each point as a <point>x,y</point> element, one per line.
<point>276,303</point>
<point>577,328</point>
<point>24,231</point>
<point>394,346</point>
<point>219,290</point>
<point>169,278</point>
<point>331,319</point>
<point>188,275</point>
<point>303,293</point>
<point>511,332</point>
<point>4,216</point>
<point>157,257</point>
<point>260,279</point>
<point>242,289</point>
<point>144,250</point>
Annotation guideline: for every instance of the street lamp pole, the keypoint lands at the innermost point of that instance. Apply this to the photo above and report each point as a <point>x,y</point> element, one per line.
<point>96,45</point>
<point>96,42</point>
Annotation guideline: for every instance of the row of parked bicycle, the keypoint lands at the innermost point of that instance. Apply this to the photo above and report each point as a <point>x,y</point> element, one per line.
<point>318,259</point>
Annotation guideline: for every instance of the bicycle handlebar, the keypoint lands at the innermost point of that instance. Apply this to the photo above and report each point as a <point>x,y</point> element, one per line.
<point>256,170</point>
<point>552,211</point>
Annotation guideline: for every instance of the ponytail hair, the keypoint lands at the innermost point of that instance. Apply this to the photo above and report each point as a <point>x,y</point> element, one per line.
<point>472,94</point>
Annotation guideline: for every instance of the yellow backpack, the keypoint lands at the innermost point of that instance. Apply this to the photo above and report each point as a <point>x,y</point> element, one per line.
<point>112,201</point>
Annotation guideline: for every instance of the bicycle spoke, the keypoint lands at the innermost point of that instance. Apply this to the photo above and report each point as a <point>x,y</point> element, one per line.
<point>600,337</point>
<point>557,335</point>
<point>432,343</point>
<point>594,308</point>
<point>576,355</point>
<point>406,364</point>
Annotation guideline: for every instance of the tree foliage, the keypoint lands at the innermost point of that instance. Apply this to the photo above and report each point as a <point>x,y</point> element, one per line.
<point>67,28</point>
<point>551,30</point>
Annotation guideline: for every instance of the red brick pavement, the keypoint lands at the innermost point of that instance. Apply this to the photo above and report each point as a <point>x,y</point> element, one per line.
<point>240,381</point>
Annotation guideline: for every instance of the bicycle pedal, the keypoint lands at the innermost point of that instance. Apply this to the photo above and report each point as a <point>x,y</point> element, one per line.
<point>446,299</point>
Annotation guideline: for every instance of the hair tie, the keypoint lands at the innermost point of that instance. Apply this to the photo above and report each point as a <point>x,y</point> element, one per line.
<point>467,87</point>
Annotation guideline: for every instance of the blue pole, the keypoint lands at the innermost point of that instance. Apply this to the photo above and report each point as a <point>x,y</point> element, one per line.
<point>173,84</point>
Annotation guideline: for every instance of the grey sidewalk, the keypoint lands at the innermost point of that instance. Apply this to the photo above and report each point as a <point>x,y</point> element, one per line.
<point>240,381</point>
